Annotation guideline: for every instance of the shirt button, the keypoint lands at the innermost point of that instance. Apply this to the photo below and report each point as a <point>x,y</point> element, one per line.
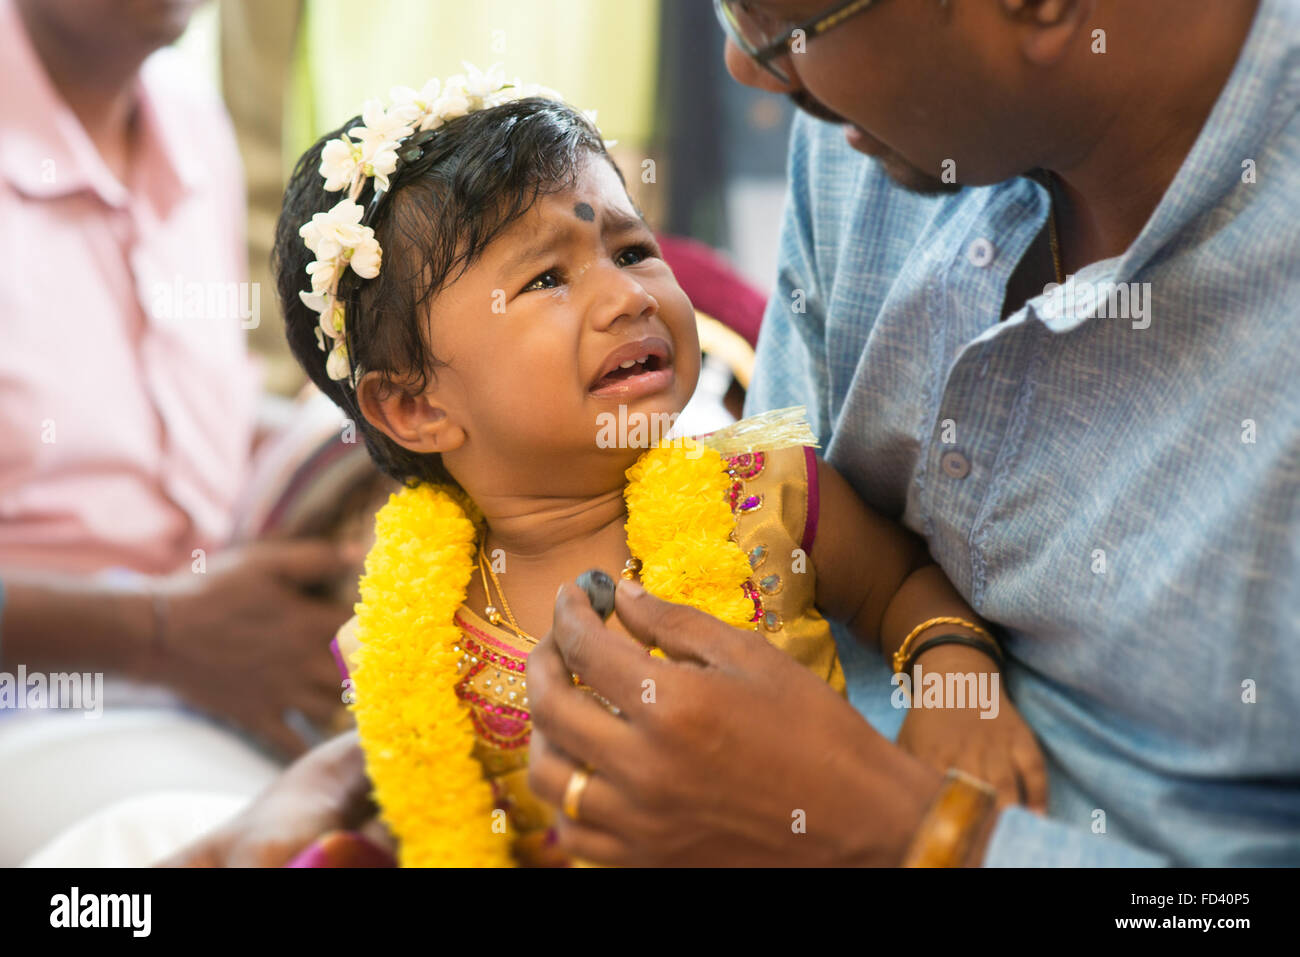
<point>955,465</point>
<point>980,253</point>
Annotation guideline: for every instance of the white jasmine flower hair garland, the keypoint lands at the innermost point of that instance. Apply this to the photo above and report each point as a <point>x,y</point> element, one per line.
<point>372,150</point>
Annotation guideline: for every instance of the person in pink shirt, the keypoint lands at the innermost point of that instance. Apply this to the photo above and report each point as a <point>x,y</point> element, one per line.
<point>127,397</point>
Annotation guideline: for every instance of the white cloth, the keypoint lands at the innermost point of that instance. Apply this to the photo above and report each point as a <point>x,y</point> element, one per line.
<point>139,831</point>
<point>58,768</point>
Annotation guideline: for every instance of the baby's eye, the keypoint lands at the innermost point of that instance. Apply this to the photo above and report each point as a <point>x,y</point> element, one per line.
<point>547,280</point>
<point>635,254</point>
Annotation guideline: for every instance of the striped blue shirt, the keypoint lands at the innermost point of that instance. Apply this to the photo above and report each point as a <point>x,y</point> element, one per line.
<point>1119,494</point>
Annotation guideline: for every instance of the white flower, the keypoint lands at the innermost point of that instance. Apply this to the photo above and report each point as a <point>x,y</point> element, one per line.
<point>378,123</point>
<point>336,366</point>
<point>370,149</point>
<point>323,273</point>
<point>506,95</point>
<point>338,162</point>
<point>378,157</point>
<point>366,256</point>
<point>452,103</point>
<point>328,234</point>
<point>331,319</point>
<point>315,301</point>
<point>479,84</point>
<point>422,100</point>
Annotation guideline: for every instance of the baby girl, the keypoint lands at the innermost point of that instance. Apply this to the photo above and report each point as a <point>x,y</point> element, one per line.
<point>464,273</point>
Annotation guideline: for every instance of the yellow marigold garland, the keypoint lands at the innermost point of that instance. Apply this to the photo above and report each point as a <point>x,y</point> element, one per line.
<point>679,525</point>
<point>416,734</point>
<point>415,731</point>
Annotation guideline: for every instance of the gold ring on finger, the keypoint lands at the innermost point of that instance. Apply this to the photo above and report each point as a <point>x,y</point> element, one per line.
<point>573,791</point>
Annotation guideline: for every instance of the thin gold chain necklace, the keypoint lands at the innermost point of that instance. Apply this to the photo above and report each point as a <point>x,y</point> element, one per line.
<point>492,614</point>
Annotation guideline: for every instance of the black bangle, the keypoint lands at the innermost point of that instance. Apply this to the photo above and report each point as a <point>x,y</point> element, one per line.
<point>989,648</point>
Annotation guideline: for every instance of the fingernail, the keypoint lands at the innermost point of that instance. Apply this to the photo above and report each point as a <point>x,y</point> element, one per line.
<point>558,590</point>
<point>630,588</point>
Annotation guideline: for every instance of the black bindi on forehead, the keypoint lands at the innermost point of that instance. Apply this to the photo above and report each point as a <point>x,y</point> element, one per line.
<point>584,212</point>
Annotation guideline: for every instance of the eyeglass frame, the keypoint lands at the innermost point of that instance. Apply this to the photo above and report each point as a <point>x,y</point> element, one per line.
<point>812,28</point>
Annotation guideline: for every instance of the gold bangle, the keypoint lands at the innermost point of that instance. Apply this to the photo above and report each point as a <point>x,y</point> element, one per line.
<point>900,656</point>
<point>949,827</point>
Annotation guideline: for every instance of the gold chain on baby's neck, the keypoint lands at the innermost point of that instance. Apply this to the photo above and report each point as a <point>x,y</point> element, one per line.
<point>490,612</point>
<point>493,615</point>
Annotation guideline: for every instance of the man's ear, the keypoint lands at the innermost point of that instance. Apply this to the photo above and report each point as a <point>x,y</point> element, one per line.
<point>1050,26</point>
<point>413,419</point>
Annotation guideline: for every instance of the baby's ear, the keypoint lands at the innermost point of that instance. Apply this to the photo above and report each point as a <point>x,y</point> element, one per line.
<point>411,417</point>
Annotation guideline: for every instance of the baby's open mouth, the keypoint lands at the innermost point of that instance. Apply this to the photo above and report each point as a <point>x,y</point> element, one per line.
<point>630,369</point>
<point>635,369</point>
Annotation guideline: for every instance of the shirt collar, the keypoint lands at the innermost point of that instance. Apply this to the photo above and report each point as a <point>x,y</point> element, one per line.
<point>46,153</point>
<point>1258,98</point>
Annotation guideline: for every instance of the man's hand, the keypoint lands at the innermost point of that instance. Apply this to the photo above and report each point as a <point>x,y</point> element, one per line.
<point>731,753</point>
<point>248,641</point>
<point>325,790</point>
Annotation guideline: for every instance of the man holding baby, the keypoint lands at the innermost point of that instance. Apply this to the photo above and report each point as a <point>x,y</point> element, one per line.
<point>1116,491</point>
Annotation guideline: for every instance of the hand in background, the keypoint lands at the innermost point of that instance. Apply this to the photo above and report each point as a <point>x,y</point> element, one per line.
<point>248,640</point>
<point>325,790</point>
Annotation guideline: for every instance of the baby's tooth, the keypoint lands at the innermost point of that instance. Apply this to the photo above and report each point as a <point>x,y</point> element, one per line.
<point>628,364</point>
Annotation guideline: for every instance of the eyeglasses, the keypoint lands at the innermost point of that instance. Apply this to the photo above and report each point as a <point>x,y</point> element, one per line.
<point>767,39</point>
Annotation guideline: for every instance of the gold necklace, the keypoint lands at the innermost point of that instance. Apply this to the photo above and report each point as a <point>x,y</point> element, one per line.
<point>493,615</point>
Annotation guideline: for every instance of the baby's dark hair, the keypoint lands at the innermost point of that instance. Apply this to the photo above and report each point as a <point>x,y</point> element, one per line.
<point>477,175</point>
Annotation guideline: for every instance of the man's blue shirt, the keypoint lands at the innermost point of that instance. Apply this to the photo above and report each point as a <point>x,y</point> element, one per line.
<point>1120,495</point>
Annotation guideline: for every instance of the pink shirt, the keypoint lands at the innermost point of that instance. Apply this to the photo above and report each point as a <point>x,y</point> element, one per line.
<point>126,394</point>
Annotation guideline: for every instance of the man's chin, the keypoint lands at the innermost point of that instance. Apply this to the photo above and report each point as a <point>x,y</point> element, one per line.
<point>912,179</point>
<point>909,177</point>
<point>898,169</point>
